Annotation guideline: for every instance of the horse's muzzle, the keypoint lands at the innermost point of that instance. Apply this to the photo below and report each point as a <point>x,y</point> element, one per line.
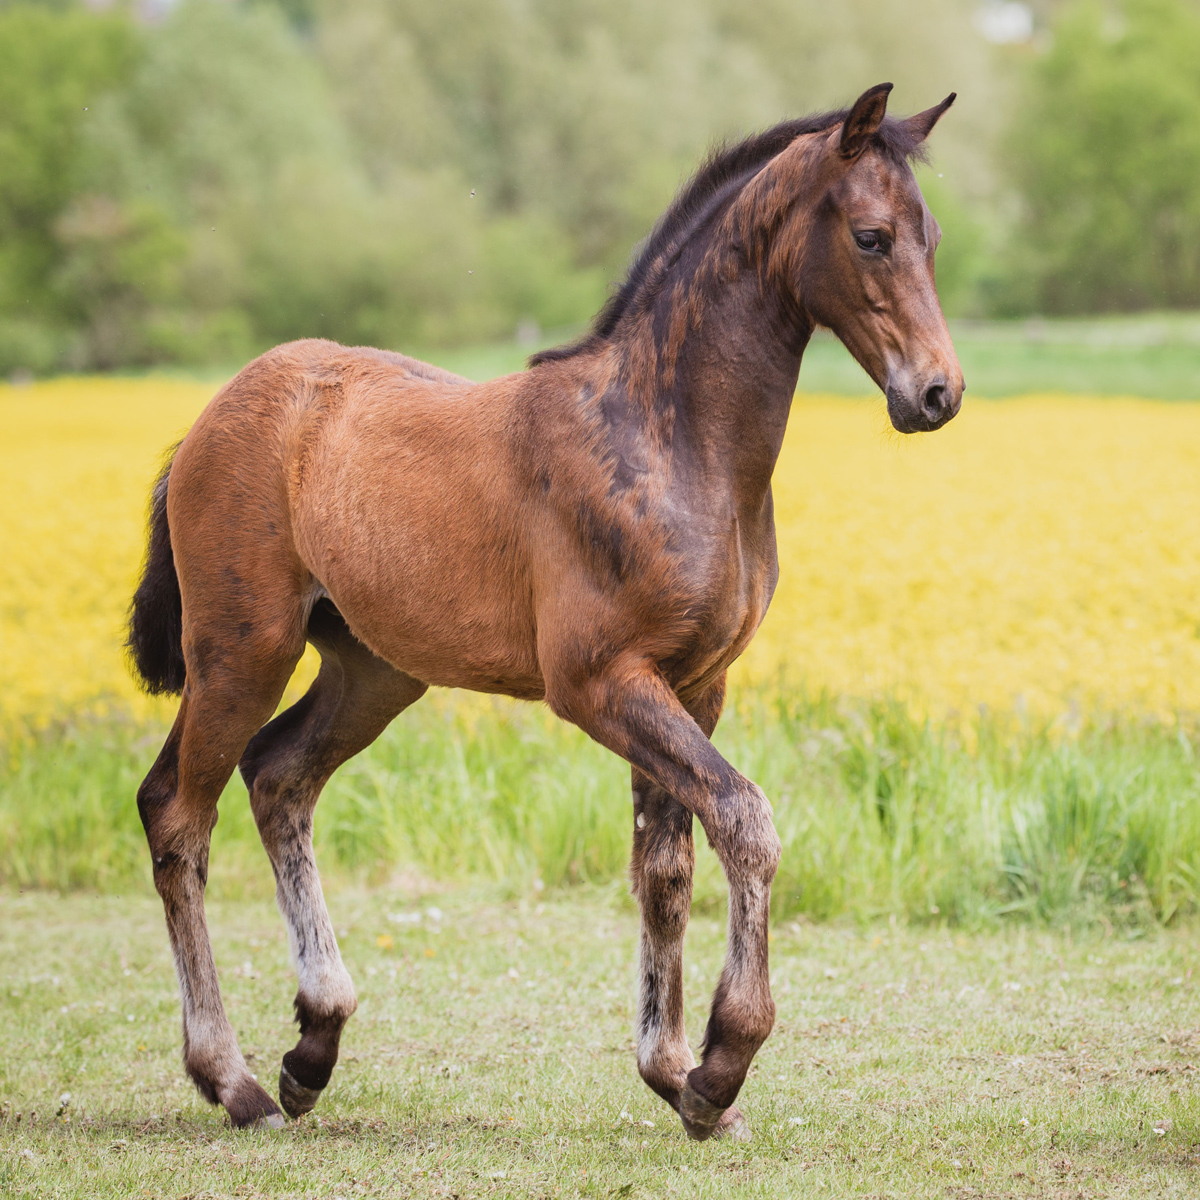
<point>925,408</point>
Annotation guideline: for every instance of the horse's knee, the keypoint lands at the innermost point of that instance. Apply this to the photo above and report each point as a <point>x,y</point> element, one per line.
<point>768,852</point>
<point>763,842</point>
<point>743,834</point>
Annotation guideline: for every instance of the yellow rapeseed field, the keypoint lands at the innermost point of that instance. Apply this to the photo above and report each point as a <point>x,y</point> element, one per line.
<point>1041,552</point>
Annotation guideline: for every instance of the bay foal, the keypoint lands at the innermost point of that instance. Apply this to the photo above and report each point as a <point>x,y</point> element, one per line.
<point>595,531</point>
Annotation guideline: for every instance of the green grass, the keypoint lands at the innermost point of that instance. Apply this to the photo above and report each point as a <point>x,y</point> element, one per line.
<point>880,813</point>
<point>492,1055</point>
<point>1156,356</point>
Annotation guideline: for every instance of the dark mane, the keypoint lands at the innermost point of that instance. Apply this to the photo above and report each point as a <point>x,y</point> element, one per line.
<point>724,173</point>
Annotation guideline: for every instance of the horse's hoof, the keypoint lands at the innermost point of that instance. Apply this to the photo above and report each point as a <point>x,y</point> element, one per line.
<point>249,1107</point>
<point>700,1116</point>
<point>295,1097</point>
<point>732,1126</point>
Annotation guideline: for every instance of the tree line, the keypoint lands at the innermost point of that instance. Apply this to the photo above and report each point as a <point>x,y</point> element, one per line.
<point>192,182</point>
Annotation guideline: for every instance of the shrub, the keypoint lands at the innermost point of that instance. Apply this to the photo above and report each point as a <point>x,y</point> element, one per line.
<point>1106,152</point>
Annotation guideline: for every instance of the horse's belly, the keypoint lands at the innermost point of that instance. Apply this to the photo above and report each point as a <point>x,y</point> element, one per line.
<point>440,609</point>
<point>483,655</point>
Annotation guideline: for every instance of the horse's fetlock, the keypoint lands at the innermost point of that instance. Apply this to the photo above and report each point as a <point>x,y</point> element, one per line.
<point>664,1069</point>
<point>204,1085</point>
<point>249,1105</point>
<point>331,1012</point>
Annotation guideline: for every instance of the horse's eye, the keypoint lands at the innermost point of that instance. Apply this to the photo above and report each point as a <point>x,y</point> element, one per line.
<point>871,240</point>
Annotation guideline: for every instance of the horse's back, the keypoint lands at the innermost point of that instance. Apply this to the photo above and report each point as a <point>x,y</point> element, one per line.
<point>265,415</point>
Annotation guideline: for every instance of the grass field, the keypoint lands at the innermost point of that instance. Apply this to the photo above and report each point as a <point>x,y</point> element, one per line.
<point>491,1056</point>
<point>880,814</point>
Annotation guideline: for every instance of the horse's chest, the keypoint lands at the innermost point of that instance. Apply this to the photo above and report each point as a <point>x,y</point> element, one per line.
<point>726,601</point>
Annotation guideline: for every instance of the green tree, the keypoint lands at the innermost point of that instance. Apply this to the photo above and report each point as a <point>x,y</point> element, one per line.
<point>201,186</point>
<point>587,114</point>
<point>293,226</point>
<point>55,67</point>
<point>120,268</point>
<point>1106,153</point>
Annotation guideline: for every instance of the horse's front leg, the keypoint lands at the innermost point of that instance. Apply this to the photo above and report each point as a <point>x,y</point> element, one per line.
<point>661,871</point>
<point>631,709</point>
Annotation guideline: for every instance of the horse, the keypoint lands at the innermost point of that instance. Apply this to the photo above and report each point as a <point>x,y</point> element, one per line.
<point>594,532</point>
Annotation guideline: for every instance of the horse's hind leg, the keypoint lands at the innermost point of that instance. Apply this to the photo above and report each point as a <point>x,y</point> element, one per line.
<point>230,692</point>
<point>285,766</point>
<point>661,870</point>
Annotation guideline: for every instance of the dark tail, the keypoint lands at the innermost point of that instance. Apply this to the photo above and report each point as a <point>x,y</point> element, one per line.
<point>155,641</point>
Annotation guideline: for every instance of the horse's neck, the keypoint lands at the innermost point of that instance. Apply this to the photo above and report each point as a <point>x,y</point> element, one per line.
<point>733,391</point>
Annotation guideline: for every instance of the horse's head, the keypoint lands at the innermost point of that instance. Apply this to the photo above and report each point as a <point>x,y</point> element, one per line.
<point>867,269</point>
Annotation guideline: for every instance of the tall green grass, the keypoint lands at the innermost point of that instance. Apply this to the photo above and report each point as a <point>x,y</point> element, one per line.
<point>879,812</point>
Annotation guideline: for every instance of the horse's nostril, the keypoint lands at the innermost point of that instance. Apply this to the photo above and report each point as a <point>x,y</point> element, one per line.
<point>934,403</point>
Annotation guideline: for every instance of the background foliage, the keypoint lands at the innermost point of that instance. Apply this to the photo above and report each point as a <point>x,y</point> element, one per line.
<point>1106,154</point>
<point>192,182</point>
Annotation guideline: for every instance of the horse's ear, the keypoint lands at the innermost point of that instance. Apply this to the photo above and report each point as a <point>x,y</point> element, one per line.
<point>864,120</point>
<point>920,125</point>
